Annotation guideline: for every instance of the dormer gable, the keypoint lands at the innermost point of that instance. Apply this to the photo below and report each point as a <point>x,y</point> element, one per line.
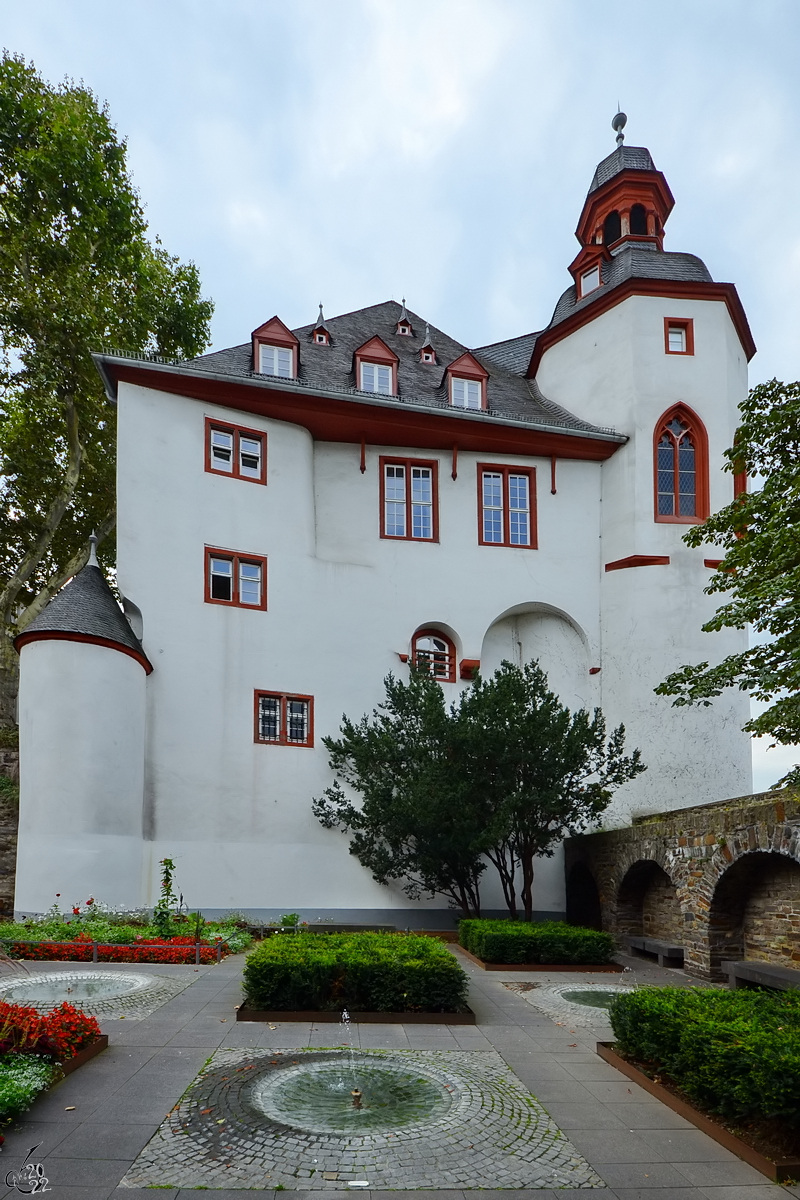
<point>427,353</point>
<point>375,367</point>
<point>404,327</point>
<point>276,350</point>
<point>466,380</point>
<point>320,334</point>
<point>587,269</point>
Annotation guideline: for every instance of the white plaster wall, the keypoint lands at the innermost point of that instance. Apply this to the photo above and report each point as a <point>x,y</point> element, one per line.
<point>81,715</point>
<point>343,604</point>
<point>615,371</point>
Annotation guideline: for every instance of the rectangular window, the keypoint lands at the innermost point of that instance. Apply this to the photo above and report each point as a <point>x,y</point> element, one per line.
<point>235,451</point>
<point>466,393</point>
<point>409,500</point>
<point>239,580</point>
<point>506,506</point>
<point>590,280</point>
<point>678,336</point>
<point>284,720</point>
<point>276,360</point>
<point>376,378</point>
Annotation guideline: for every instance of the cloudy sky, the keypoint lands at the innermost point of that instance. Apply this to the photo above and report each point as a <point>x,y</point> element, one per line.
<point>441,150</point>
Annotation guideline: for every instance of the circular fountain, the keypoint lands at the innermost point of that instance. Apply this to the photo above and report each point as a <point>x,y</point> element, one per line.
<point>81,988</point>
<point>344,1093</point>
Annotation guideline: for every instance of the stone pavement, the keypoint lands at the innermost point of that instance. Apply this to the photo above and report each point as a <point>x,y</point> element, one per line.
<point>90,1128</point>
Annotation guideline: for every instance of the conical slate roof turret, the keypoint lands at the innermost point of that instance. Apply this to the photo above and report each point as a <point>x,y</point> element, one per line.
<point>85,610</point>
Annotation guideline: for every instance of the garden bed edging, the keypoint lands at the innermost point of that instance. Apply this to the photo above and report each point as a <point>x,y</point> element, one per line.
<point>781,1170</point>
<point>332,1016</point>
<point>85,1055</point>
<point>603,968</point>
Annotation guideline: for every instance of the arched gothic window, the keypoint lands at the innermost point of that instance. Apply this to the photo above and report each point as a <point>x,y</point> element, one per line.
<point>681,467</point>
<point>434,652</point>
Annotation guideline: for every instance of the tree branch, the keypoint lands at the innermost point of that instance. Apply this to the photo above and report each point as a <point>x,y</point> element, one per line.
<point>57,581</point>
<point>54,515</point>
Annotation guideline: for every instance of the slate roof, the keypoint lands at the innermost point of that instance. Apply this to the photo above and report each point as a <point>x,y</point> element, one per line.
<point>640,260</point>
<point>86,605</point>
<point>331,367</point>
<point>624,158</point>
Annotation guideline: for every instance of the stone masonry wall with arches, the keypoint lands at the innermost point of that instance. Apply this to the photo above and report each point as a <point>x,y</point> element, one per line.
<point>722,880</point>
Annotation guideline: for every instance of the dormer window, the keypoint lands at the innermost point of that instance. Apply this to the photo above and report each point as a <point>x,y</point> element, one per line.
<point>376,378</point>
<point>404,330</point>
<point>590,280</point>
<point>466,393</point>
<point>276,360</point>
<point>428,356</point>
<point>321,339</point>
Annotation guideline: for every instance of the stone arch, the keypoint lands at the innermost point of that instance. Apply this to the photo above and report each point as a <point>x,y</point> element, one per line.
<point>755,911</point>
<point>549,635</point>
<point>647,903</point>
<point>583,898</point>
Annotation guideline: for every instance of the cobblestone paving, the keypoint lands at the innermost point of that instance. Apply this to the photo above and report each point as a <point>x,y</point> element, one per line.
<point>550,1000</point>
<point>494,1134</point>
<point>151,992</point>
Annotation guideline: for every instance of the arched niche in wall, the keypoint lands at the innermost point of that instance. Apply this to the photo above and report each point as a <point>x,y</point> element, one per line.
<point>754,910</point>
<point>548,635</point>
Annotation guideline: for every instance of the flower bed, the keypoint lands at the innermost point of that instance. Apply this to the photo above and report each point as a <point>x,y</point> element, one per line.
<point>363,972</point>
<point>734,1054</point>
<point>145,950</point>
<point>32,1046</point>
<point>542,942</point>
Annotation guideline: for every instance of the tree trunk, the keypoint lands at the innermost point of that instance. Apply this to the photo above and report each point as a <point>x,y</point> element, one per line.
<point>9,679</point>
<point>502,859</point>
<point>526,860</point>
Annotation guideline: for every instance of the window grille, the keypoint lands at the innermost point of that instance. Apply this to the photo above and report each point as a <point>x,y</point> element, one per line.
<point>284,720</point>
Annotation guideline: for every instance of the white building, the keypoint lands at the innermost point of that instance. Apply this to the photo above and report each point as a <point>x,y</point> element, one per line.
<point>301,514</point>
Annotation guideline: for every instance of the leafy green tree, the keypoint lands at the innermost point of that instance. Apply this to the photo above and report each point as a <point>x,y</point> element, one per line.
<point>419,819</point>
<point>502,776</point>
<point>760,573</point>
<point>542,772</point>
<point>77,273</point>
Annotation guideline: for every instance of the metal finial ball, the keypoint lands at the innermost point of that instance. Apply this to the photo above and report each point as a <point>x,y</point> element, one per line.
<point>619,122</point>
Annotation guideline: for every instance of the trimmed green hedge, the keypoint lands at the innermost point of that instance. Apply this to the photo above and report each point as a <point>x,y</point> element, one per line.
<point>737,1053</point>
<point>363,972</point>
<point>538,942</point>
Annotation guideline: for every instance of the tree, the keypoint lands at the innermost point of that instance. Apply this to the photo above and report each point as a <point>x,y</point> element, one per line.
<point>502,775</point>
<point>543,772</point>
<point>418,819</point>
<point>77,273</point>
<point>760,573</point>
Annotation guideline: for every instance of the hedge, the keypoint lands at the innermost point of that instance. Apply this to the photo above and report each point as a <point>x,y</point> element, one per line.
<point>363,972</point>
<point>736,1053</point>
<point>146,950</point>
<point>538,942</point>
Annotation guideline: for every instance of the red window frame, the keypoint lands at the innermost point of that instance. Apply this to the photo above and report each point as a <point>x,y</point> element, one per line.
<point>700,441</point>
<point>505,470</point>
<point>450,677</point>
<point>389,461</point>
<point>235,557</point>
<point>687,325</point>
<point>283,739</point>
<point>237,431</point>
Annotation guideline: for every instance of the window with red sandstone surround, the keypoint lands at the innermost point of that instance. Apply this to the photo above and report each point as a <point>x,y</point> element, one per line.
<point>238,580</point>
<point>236,451</point>
<point>506,506</point>
<point>681,467</point>
<point>434,652</point>
<point>284,719</point>
<point>409,501</point>
<point>678,335</point>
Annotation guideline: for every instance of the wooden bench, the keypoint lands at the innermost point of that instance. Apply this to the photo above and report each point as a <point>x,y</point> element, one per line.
<point>646,947</point>
<point>761,974</point>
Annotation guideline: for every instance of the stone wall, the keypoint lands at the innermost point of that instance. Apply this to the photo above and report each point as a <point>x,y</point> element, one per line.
<point>722,879</point>
<point>9,819</point>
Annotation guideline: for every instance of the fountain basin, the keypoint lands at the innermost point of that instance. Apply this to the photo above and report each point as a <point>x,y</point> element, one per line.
<point>320,1096</point>
<point>81,988</point>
